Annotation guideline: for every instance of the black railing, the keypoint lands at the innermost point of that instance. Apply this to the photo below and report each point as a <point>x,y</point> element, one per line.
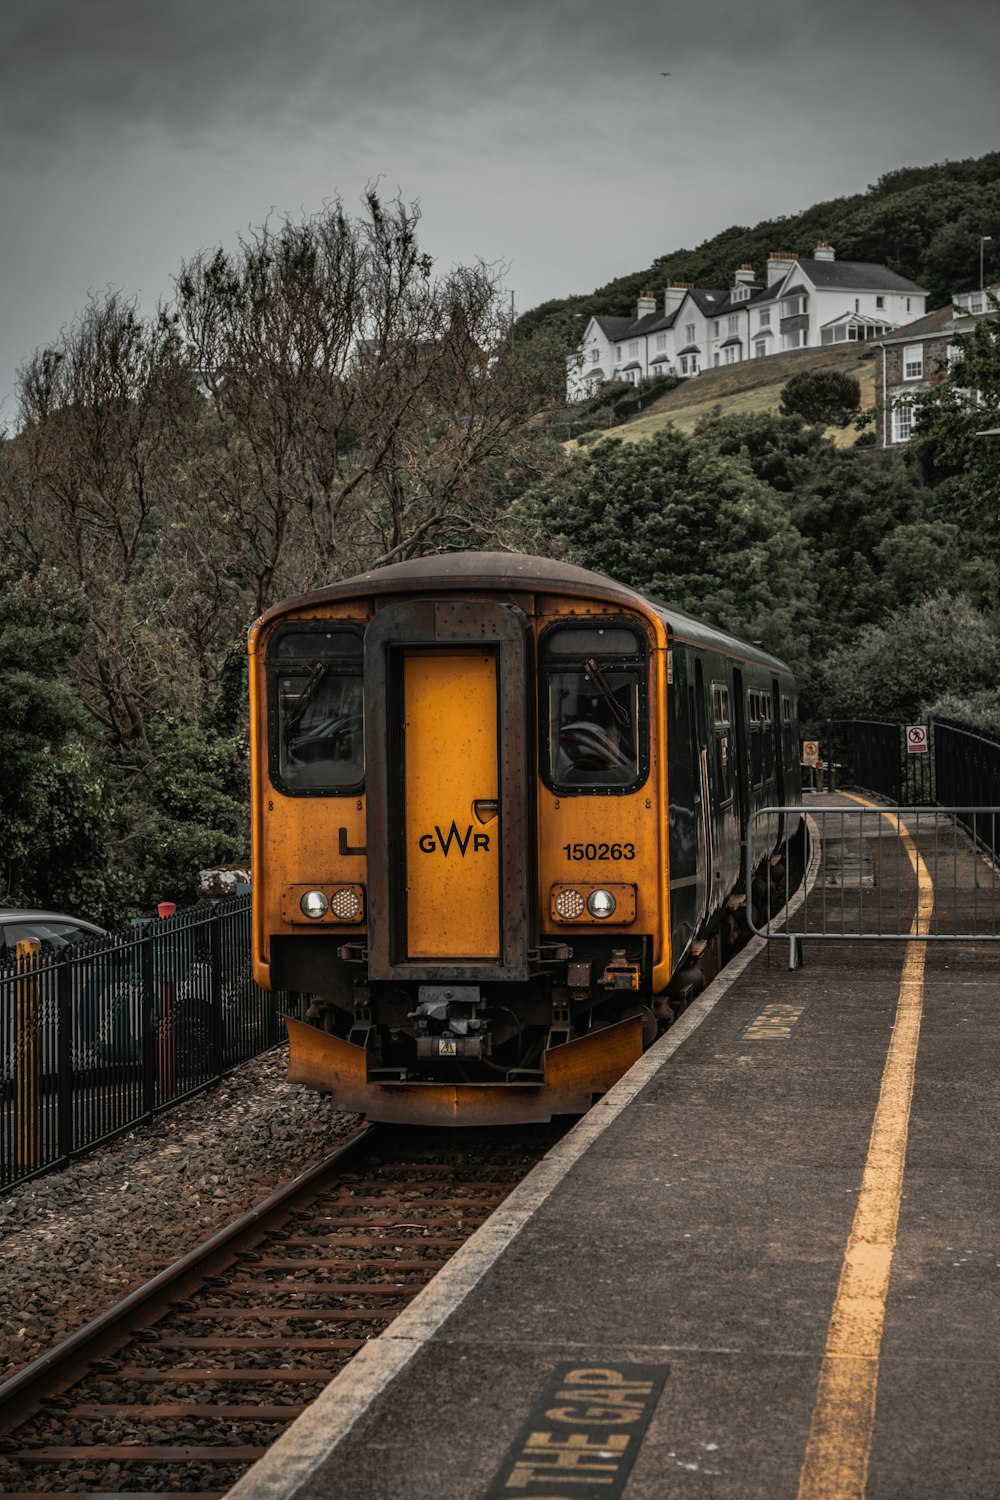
<point>100,1037</point>
<point>883,756</point>
<point>966,766</point>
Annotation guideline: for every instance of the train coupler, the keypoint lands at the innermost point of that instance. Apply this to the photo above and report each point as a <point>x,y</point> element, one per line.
<point>449,1021</point>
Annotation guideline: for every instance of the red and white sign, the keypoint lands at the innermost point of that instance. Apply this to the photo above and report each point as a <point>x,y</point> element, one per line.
<point>916,739</point>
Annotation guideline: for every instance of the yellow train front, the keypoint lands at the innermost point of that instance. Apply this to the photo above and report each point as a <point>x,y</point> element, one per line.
<point>498,805</point>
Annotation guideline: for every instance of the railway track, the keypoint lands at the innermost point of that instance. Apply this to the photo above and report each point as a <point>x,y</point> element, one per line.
<point>187,1381</point>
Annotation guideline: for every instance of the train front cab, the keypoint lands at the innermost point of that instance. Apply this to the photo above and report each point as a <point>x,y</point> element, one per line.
<point>485,897</point>
<point>450,947</point>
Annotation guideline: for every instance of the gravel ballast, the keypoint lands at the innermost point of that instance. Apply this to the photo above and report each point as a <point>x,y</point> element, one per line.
<point>74,1242</point>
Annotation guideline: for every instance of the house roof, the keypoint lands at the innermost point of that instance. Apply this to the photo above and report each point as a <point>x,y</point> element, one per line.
<point>660,359</point>
<point>727,343</point>
<point>689,349</point>
<point>863,275</point>
<point>635,365</point>
<point>938,321</point>
<point>614,328</point>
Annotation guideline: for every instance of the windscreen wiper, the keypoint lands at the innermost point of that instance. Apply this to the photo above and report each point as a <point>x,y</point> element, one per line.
<point>308,693</point>
<point>621,716</point>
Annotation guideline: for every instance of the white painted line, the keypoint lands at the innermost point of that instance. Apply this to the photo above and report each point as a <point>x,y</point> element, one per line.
<point>309,1441</point>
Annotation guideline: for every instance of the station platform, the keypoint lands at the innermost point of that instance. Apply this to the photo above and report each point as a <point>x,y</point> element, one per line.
<point>763,1266</point>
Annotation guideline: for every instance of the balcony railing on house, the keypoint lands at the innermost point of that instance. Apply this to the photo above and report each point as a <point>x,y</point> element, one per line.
<point>100,1037</point>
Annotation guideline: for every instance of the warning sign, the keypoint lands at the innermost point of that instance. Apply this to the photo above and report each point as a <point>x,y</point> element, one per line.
<point>916,739</point>
<point>810,752</point>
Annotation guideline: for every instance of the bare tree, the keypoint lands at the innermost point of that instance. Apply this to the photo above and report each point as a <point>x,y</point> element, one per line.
<point>361,400</point>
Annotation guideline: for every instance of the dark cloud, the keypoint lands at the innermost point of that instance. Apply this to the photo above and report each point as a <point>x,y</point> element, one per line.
<point>537,132</point>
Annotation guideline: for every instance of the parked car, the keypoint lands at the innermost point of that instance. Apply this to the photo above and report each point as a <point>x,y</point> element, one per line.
<point>52,927</point>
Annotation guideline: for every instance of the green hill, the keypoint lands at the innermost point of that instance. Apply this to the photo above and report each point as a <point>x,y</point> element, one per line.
<point>750,387</point>
<point>922,222</point>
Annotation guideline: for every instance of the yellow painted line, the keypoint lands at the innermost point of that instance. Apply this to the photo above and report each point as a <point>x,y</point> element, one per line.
<point>840,1434</point>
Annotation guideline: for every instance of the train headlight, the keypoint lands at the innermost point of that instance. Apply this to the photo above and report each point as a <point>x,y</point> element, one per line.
<point>345,904</point>
<point>601,904</point>
<point>314,905</point>
<point>570,905</point>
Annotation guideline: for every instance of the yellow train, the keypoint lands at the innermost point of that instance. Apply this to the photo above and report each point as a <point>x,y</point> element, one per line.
<point>498,804</point>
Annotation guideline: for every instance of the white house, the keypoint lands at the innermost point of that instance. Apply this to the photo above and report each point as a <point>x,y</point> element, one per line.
<point>805,303</point>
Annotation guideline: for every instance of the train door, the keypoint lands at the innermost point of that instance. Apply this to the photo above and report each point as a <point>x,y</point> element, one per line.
<point>450,791</point>
<point>780,768</point>
<point>742,750</point>
<point>704,772</point>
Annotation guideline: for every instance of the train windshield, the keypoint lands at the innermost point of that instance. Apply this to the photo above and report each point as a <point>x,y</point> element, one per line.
<point>317,698</point>
<point>594,686</point>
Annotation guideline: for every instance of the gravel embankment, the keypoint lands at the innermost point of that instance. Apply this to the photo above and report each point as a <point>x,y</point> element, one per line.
<point>74,1242</point>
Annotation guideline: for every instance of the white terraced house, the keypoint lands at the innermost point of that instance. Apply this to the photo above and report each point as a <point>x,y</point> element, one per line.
<point>806,302</point>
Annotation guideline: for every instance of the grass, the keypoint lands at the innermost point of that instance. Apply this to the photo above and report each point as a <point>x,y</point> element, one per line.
<point>751,387</point>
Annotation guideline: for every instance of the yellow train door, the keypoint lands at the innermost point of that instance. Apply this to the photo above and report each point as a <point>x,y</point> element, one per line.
<point>452,829</point>
<point>451,833</point>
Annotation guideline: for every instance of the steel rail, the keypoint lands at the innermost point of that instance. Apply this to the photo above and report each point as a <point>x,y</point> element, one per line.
<point>17,1390</point>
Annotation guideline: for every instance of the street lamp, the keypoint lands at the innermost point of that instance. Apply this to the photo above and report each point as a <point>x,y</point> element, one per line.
<point>982,241</point>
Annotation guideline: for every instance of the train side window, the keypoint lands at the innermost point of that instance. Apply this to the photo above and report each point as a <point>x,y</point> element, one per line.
<point>316,709</point>
<point>720,705</point>
<point>593,708</point>
<point>786,709</point>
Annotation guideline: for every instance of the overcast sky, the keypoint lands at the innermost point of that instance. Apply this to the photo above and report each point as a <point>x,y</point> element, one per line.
<point>538,133</point>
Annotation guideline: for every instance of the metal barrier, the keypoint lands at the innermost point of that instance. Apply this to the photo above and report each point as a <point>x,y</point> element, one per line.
<point>98,1038</point>
<point>905,873</point>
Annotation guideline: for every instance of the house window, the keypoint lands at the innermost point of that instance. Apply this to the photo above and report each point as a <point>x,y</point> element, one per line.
<point>715,358</point>
<point>954,354</point>
<point>913,362</point>
<point>730,355</point>
<point>689,333</point>
<point>595,355</point>
<point>633,349</point>
<point>857,304</point>
<point>715,328</point>
<point>793,306</point>
<point>908,301</point>
<point>618,351</point>
<point>760,349</point>
<point>902,423</point>
<point>765,317</point>
<point>880,302</point>
<point>661,342</point>
<point>733,324</point>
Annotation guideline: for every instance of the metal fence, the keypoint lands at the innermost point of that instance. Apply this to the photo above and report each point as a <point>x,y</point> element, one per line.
<point>98,1038</point>
<point>908,873</point>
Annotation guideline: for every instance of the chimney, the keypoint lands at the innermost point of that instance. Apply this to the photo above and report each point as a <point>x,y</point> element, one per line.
<point>674,295</point>
<point>647,304</point>
<point>744,276</point>
<point>777,265</point>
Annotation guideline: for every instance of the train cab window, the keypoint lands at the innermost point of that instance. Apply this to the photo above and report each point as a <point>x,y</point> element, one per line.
<point>316,698</point>
<point>593,708</point>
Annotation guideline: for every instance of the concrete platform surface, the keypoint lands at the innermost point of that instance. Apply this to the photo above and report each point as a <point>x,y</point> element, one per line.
<point>793,1221</point>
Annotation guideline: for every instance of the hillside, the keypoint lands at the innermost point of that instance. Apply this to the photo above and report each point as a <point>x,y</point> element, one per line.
<point>751,387</point>
<point>923,222</point>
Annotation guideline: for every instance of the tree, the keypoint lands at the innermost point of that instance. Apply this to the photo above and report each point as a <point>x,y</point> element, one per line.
<point>57,797</point>
<point>949,422</point>
<point>363,404</point>
<point>941,645</point>
<point>677,520</point>
<point>828,397</point>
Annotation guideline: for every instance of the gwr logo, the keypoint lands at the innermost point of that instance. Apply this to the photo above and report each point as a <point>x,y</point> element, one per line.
<point>430,842</point>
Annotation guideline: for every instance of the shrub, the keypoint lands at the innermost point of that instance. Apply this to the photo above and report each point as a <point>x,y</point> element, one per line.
<point>826,396</point>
